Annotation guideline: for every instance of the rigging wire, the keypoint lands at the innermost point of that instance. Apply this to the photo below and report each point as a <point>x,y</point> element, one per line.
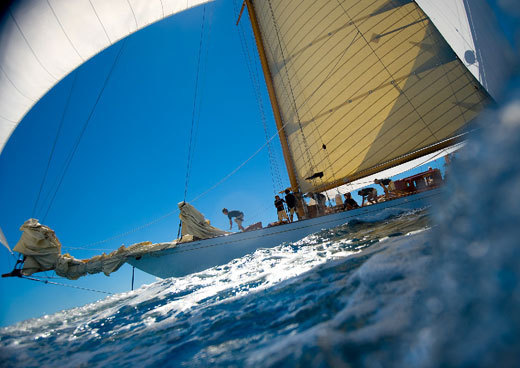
<point>51,155</point>
<point>252,68</point>
<point>387,70</point>
<point>204,75</point>
<point>138,228</point>
<point>194,111</point>
<point>66,285</point>
<point>195,115</point>
<point>294,105</point>
<point>131,231</point>
<point>85,125</point>
<point>237,168</point>
<point>307,99</point>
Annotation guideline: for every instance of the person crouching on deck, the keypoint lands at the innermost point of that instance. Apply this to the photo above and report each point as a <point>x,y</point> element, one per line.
<point>370,194</point>
<point>238,215</point>
<point>278,203</point>
<point>388,186</point>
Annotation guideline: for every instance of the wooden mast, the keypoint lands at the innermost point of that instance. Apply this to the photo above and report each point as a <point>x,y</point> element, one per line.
<point>272,96</point>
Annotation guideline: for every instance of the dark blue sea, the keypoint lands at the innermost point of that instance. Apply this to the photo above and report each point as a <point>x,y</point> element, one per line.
<point>419,289</point>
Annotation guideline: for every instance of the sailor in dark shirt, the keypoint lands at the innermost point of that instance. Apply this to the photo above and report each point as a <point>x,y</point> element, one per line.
<point>290,199</point>
<point>238,215</point>
<point>278,203</point>
<point>350,203</point>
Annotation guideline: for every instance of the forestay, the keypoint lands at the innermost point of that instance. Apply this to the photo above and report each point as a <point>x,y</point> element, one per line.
<point>362,85</point>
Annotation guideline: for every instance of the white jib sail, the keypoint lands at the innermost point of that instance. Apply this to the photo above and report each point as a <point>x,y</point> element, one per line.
<point>3,240</point>
<point>43,41</point>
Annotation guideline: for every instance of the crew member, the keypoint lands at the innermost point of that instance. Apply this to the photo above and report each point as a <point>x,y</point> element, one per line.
<point>349,203</point>
<point>238,215</point>
<point>370,194</point>
<point>290,200</point>
<point>278,203</point>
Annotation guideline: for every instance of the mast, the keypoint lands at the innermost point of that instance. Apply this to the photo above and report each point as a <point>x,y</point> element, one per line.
<point>272,96</point>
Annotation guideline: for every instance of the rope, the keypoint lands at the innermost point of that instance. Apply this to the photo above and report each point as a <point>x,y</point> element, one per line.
<point>66,285</point>
<point>85,125</point>
<point>67,103</point>
<point>85,247</point>
<point>386,69</point>
<point>129,231</point>
<point>138,228</point>
<point>236,169</point>
<point>294,105</point>
<point>188,165</point>
<point>195,115</point>
<point>252,68</point>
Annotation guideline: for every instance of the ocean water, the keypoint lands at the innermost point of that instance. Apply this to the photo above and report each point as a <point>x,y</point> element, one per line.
<point>417,289</point>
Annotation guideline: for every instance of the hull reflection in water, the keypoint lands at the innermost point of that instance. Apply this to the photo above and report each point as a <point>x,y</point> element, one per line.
<point>200,255</point>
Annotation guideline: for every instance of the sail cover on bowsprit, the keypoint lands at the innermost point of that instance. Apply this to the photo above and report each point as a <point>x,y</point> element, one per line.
<point>362,85</point>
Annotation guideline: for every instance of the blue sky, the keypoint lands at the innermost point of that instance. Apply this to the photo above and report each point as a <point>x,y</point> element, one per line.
<point>130,166</point>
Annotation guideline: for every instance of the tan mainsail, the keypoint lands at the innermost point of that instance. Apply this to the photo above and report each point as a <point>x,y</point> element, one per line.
<point>362,85</point>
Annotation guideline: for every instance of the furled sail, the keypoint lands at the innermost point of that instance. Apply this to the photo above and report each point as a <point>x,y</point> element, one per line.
<point>43,41</point>
<point>362,85</point>
<point>42,249</point>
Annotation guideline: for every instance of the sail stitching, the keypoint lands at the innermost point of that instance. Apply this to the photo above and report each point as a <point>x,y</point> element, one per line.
<point>433,108</point>
<point>16,87</point>
<point>253,75</point>
<point>318,132</point>
<point>380,61</point>
<point>29,45</point>
<point>430,35</point>
<point>403,92</point>
<point>313,118</point>
<point>327,77</point>
<point>63,29</point>
<point>306,149</point>
<point>271,150</point>
<point>133,13</point>
<point>376,112</point>
<point>100,22</point>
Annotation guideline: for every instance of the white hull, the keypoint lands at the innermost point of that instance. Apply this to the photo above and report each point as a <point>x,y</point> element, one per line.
<point>200,255</point>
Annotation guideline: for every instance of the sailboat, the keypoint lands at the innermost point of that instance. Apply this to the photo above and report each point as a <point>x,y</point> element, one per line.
<point>356,88</point>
